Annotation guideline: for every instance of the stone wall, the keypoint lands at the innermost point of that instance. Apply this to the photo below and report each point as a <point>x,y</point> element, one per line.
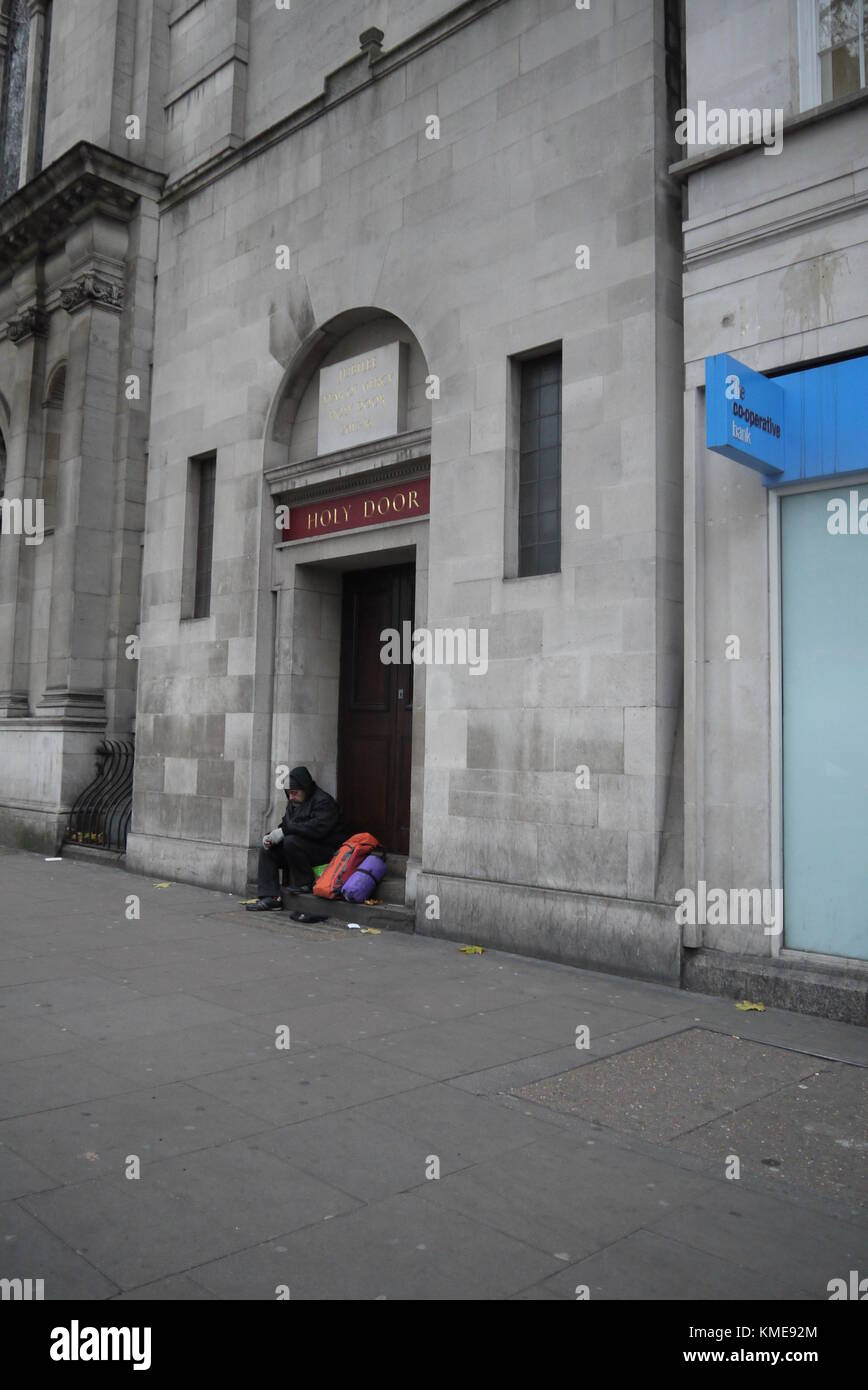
<point>776,273</point>
<point>552,133</point>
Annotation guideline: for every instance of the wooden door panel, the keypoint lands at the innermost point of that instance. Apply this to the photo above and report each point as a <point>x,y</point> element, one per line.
<point>376,710</point>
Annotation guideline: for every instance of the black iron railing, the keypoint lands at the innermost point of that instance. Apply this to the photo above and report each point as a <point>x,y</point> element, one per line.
<point>101,815</point>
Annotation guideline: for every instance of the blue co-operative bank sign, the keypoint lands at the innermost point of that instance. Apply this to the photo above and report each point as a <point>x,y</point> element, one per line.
<point>811,424</point>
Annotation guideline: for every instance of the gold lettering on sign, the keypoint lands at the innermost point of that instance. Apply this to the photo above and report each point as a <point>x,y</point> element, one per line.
<point>399,497</point>
<point>369,364</point>
<point>414,498</point>
<point>369,507</point>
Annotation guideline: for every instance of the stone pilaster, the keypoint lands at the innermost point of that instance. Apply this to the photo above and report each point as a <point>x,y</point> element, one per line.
<point>31,154</point>
<point>86,494</point>
<point>23,463</point>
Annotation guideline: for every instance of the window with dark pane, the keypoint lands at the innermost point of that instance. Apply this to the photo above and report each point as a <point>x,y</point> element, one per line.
<point>207,470</point>
<point>43,87</point>
<point>539,488</point>
<point>13,87</point>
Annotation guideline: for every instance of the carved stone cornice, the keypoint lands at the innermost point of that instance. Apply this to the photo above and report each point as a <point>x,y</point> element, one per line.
<point>85,180</point>
<point>92,289</point>
<point>403,455</point>
<point>28,323</point>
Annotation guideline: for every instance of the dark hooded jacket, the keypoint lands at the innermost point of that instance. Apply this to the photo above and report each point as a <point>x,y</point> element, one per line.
<point>317,819</point>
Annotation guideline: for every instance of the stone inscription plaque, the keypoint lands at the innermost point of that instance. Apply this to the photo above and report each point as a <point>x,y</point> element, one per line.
<point>361,399</point>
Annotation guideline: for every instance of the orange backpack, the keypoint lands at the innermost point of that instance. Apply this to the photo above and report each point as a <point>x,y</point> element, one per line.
<point>343,863</point>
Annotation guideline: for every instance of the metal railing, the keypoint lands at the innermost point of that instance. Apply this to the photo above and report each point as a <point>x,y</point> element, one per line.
<point>101,814</point>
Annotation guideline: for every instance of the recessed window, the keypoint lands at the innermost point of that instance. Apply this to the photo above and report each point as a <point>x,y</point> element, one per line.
<point>14,86</point>
<point>539,465</point>
<point>206,470</point>
<point>841,46</point>
<point>52,421</point>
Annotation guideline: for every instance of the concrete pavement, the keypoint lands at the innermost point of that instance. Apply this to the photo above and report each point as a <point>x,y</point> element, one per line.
<point>150,1045</point>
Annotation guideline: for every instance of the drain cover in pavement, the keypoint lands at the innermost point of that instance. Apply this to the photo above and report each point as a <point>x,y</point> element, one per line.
<point>785,1114</point>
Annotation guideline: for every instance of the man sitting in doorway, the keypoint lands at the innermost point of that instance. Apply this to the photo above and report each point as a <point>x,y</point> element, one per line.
<point>309,834</point>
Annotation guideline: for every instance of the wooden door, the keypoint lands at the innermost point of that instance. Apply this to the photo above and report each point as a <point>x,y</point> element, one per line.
<point>375,713</point>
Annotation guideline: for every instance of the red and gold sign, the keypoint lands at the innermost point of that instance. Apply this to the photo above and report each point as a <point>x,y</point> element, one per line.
<point>374,507</point>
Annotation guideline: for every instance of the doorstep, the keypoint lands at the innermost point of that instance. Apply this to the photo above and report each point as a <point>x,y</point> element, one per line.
<point>90,854</point>
<point>387,916</point>
<point>832,991</point>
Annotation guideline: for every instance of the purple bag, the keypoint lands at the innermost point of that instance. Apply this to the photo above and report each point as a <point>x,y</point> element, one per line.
<point>363,882</point>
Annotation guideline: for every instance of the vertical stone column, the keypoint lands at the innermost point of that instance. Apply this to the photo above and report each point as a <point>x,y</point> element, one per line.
<point>86,491</point>
<point>31,154</point>
<point>4,44</point>
<point>131,438</point>
<point>27,330</point>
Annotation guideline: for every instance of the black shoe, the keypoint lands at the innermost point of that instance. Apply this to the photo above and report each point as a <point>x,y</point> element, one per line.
<point>308,888</point>
<point>265,905</point>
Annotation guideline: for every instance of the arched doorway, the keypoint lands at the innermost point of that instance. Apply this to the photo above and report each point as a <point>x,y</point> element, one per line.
<point>348,461</point>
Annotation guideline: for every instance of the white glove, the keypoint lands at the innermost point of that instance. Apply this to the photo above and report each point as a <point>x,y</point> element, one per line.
<point>273,837</point>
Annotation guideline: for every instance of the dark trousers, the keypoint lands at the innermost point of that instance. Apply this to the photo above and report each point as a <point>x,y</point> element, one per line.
<point>295,855</point>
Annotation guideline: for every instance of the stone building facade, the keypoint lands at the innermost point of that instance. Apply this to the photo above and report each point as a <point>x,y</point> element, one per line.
<point>323,321</point>
<point>432,189</point>
<point>78,250</point>
<point>776,274</point>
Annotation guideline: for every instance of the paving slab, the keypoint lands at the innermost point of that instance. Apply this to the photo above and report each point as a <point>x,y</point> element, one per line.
<point>399,1248</point>
<point>769,1235</point>
<point>42,1083</point>
<point>296,1085</point>
<point>183,1053</point>
<point>18,1176</point>
<point>668,1087</point>
<point>813,1133</point>
<point>678,1271</point>
<point>134,1232</point>
<point>357,1153</point>
<point>446,1049</point>
<point>77,1142</point>
<point>567,1196</point>
<point>32,1251</point>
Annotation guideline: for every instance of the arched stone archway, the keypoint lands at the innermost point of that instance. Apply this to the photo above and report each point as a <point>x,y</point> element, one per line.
<point>354,549</point>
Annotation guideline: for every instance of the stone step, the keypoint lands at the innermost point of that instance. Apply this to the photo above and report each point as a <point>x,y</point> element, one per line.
<point>387,915</point>
<point>90,854</point>
<point>391,890</point>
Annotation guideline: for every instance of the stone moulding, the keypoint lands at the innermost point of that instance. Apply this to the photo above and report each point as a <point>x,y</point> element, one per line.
<point>38,217</point>
<point>29,323</point>
<point>344,83</point>
<point>92,289</point>
<point>400,456</point>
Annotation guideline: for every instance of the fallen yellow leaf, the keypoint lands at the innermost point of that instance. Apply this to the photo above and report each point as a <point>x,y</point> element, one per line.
<point>162,885</point>
<point>746,1005</point>
<point>370,931</point>
<point>471,950</point>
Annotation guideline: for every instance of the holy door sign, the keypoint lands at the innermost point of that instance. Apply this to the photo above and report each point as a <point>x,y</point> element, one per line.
<point>373,507</point>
